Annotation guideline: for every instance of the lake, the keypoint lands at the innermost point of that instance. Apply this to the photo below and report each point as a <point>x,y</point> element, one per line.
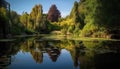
<point>37,53</point>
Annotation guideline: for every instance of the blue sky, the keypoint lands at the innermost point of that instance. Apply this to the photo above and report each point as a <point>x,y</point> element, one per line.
<point>64,6</point>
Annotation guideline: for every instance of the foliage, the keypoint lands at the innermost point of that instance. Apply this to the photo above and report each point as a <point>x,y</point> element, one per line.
<point>74,15</point>
<point>73,23</point>
<point>53,14</point>
<point>36,16</point>
<point>4,23</point>
<point>3,14</point>
<point>88,18</point>
<point>101,17</point>
<point>24,19</point>
<point>16,26</point>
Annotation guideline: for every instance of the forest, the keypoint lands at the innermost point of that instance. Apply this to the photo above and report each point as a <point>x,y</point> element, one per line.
<point>88,18</point>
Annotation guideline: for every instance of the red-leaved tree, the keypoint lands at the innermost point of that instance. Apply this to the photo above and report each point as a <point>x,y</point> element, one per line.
<point>53,14</point>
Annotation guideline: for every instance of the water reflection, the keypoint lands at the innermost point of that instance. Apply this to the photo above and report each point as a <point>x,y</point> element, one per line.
<point>5,57</point>
<point>61,54</point>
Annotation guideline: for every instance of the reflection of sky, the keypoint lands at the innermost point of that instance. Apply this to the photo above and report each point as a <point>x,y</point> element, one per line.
<point>64,6</point>
<point>25,61</point>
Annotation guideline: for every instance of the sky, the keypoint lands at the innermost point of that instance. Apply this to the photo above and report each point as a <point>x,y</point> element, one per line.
<point>64,6</point>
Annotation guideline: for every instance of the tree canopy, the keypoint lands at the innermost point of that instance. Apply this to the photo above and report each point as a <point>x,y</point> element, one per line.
<point>53,14</point>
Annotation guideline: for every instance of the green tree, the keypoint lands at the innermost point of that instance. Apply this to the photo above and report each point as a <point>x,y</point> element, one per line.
<point>75,15</point>
<point>107,15</point>
<point>24,19</point>
<point>4,25</point>
<point>16,26</point>
<point>36,16</point>
<point>4,19</point>
<point>101,16</point>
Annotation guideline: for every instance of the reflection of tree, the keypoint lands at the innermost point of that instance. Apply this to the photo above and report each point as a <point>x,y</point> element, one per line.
<point>27,46</point>
<point>107,54</point>
<point>107,61</point>
<point>34,48</point>
<point>53,53</point>
<point>53,50</point>
<point>50,48</point>
<point>38,56</point>
<point>94,49</point>
<point>6,50</point>
<point>77,51</point>
<point>9,48</point>
<point>5,60</point>
<point>37,48</point>
<point>108,46</point>
<point>83,52</point>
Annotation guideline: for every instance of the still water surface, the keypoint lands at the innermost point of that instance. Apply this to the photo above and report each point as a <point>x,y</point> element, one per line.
<point>34,53</point>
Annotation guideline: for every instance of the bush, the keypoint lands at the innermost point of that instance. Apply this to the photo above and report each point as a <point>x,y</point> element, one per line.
<point>28,31</point>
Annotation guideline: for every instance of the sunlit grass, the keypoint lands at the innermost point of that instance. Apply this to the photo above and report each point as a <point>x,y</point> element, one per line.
<point>60,37</point>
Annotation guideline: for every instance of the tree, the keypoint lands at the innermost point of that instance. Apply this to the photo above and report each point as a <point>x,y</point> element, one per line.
<point>16,26</point>
<point>36,16</point>
<point>100,16</point>
<point>108,12</point>
<point>53,14</point>
<point>3,3</point>
<point>24,19</point>
<point>4,22</point>
<point>75,15</point>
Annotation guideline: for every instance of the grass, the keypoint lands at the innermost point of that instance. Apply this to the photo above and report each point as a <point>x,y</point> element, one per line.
<point>60,37</point>
<point>53,37</point>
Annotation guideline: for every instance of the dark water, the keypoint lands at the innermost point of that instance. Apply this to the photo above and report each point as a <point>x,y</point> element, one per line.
<point>33,53</point>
